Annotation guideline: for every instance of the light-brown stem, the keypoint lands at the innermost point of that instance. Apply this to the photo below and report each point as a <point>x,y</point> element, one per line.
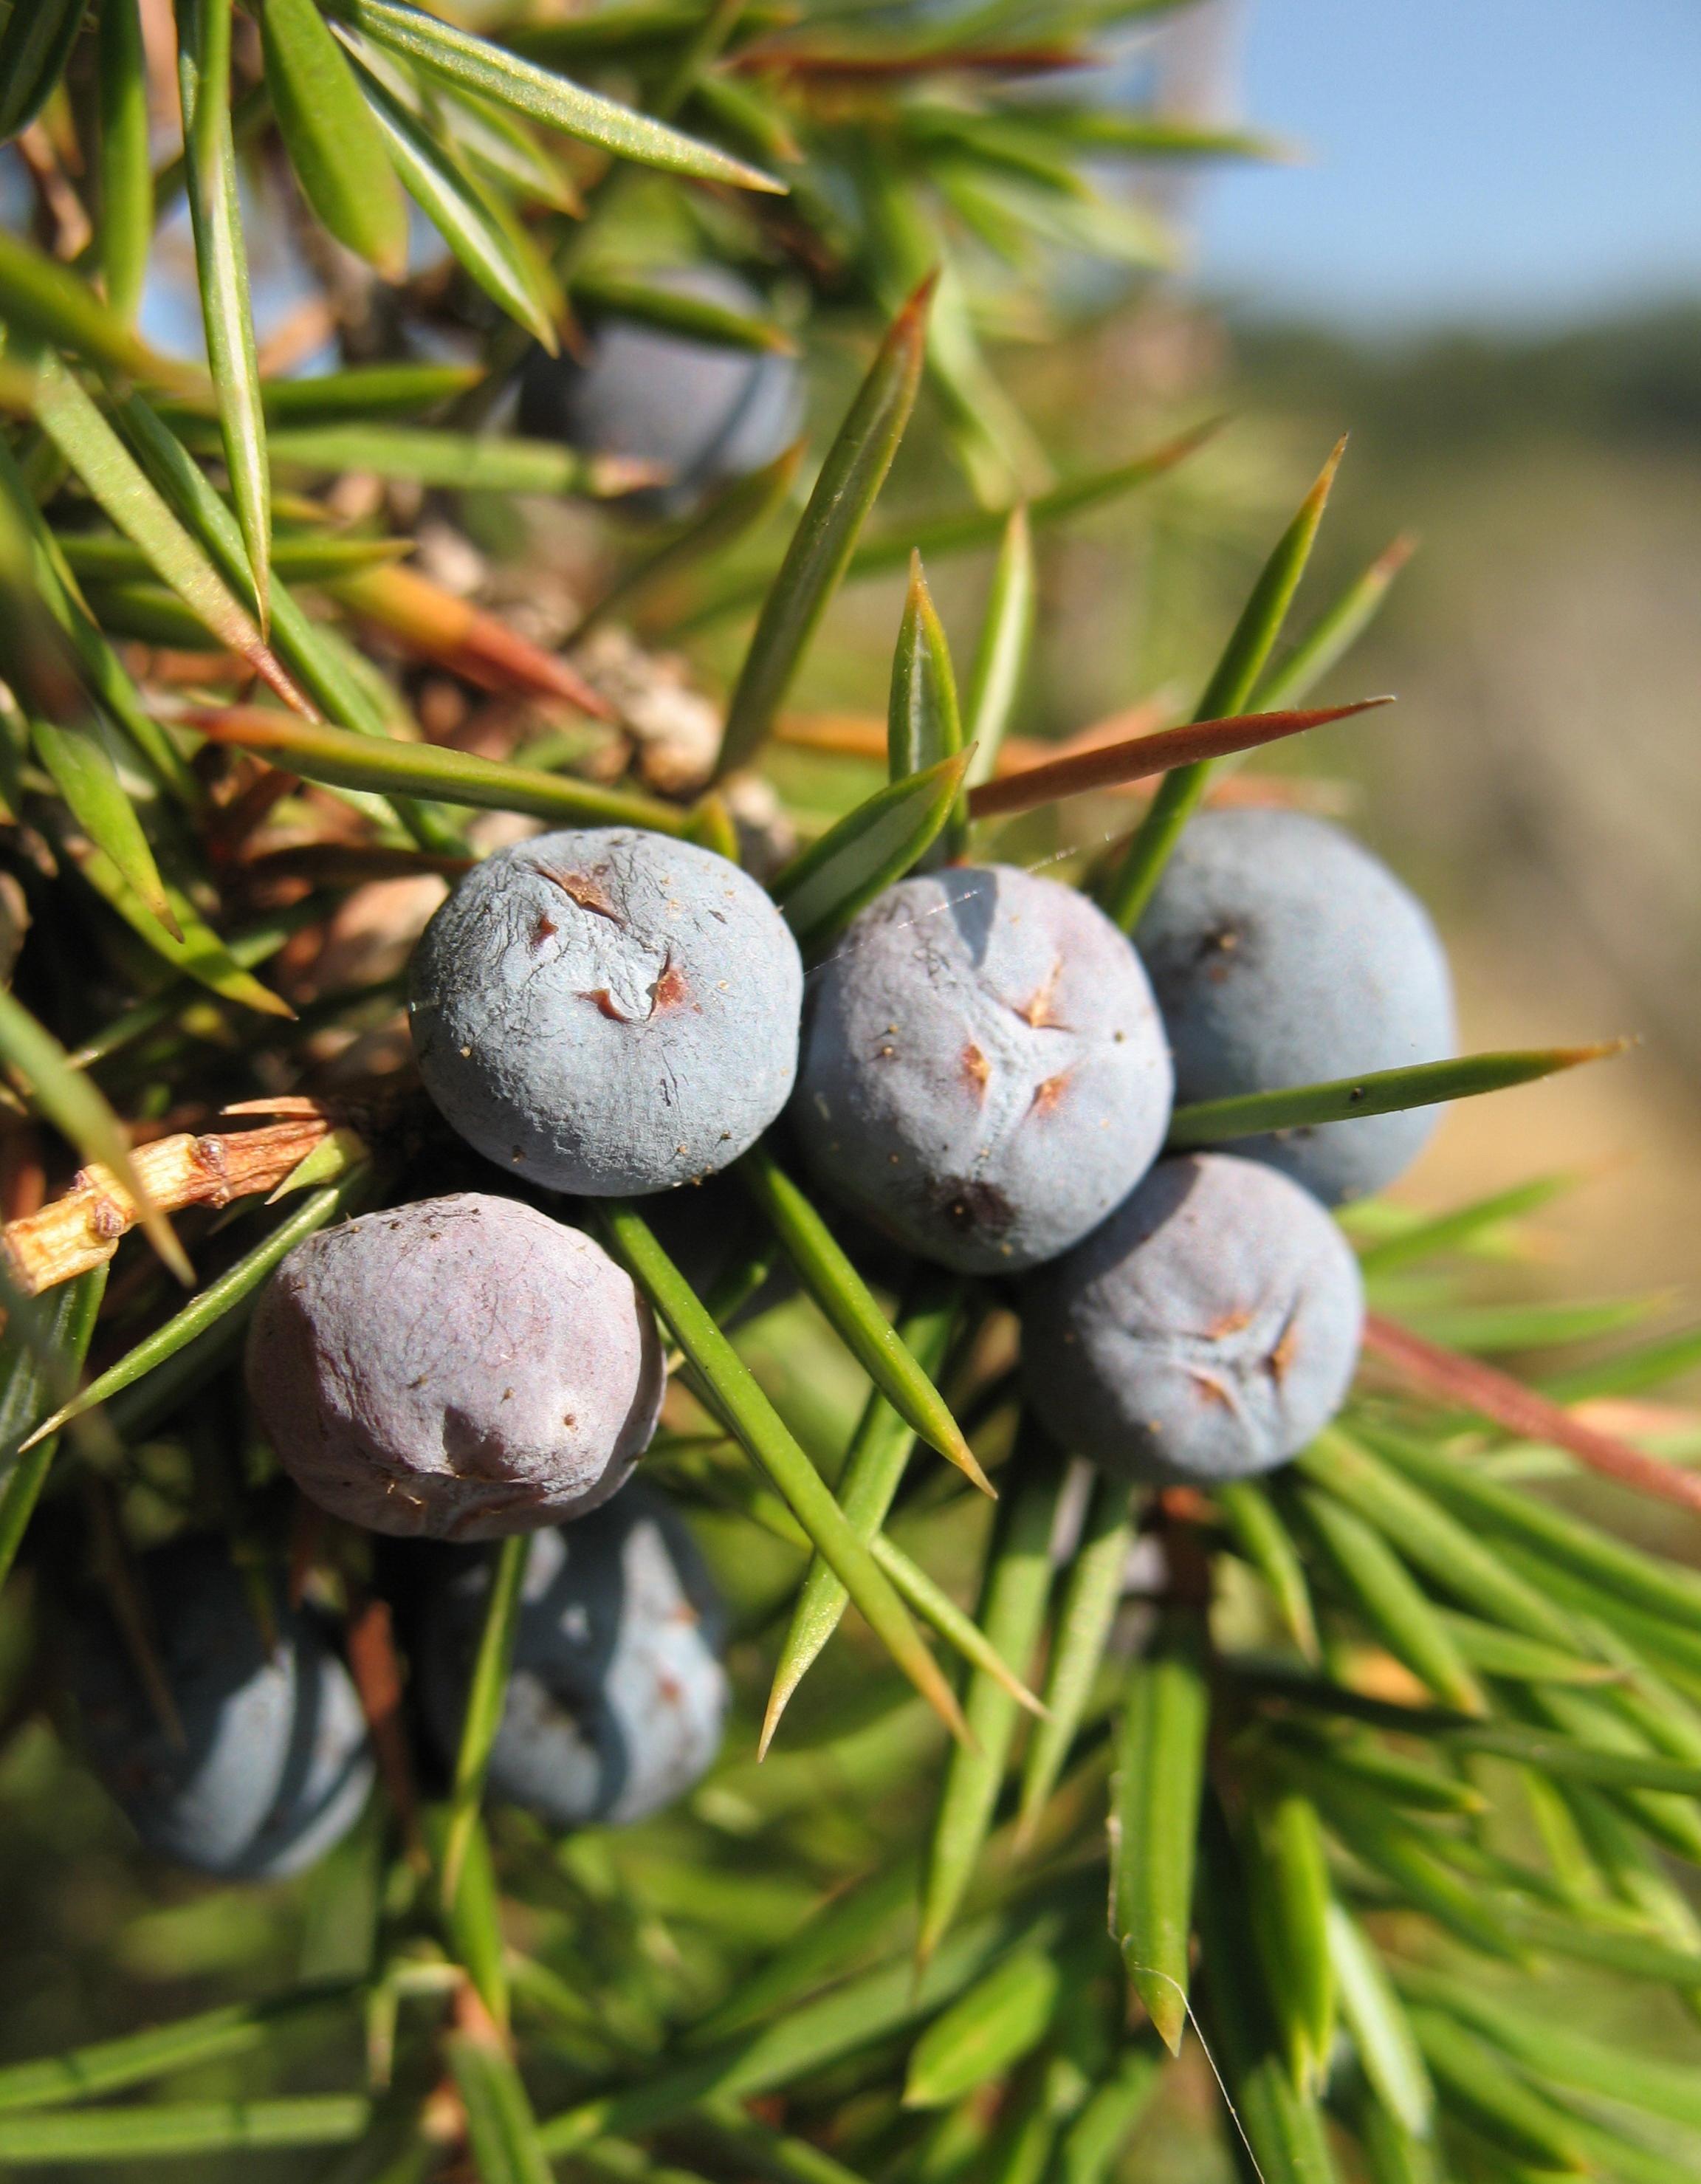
<point>83,1229</point>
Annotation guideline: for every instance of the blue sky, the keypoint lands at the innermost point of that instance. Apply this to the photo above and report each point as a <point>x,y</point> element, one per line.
<point>1521,161</point>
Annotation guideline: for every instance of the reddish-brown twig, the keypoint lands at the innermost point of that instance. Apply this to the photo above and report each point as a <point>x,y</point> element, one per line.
<point>1108,765</point>
<point>1507,1402</point>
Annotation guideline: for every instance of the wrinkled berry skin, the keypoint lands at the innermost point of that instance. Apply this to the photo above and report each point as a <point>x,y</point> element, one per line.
<point>275,1765</point>
<point>457,1369</point>
<point>700,411</point>
<point>616,1700</point>
<point>984,1075</point>
<point>1206,1332</point>
<point>1283,953</point>
<point>607,1011</point>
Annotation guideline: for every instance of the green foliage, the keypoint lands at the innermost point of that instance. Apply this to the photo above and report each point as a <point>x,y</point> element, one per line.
<point>1370,1762</point>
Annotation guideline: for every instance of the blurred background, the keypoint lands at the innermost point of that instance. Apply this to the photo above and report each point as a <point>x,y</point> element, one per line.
<point>1488,269</point>
<point>1481,258</point>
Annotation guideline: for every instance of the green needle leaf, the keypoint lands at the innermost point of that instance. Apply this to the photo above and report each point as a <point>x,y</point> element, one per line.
<point>476,65</point>
<point>1380,1092</point>
<point>40,1371</point>
<point>212,2036</point>
<point>834,1282</point>
<point>1006,639</point>
<point>1628,1372</point>
<point>1430,1539</point>
<point>311,558</point>
<point>1283,2128</point>
<point>1099,2133</point>
<point>193,947</point>
<point>1306,1748</point>
<point>49,303</point>
<point>100,458</point>
<point>822,890</point>
<point>34,49</point>
<point>1287,1876</point>
<point>499,2122</point>
<point>959,1632</point>
<point>1392,2153</point>
<point>1494,2100</point>
<point>80,754</point>
<point>1387,2050</point>
<point>1231,685</point>
<point>1390,1601</point>
<point>837,1938</point>
<point>932,537</point>
<point>229,1294</point>
<point>1403,1856</point>
<point>986,2031</point>
<point>1556,2052</point>
<point>822,545</point>
<point>674,310</point>
<point>743,506</point>
<point>45,673</point>
<point>764,1436</point>
<point>504,151</point>
<point>334,145</point>
<point>1457,1230</point>
<point>364,392</point>
<point>427,456</point>
<point>1265,1541</point>
<point>878,1453</point>
<point>485,1698</point>
<point>1663,1589</point>
<point>922,722</point>
<point>1085,1616</point>
<point>472,1918</point>
<point>76,1110</point>
<point>1334,631</point>
<point>125,230</point>
<point>474,222</point>
<point>105,675</point>
<point>1160,1782</point>
<point>912,1585</point>
<point>160,2129</point>
<point>307,650</point>
<point>1517,1659</point>
<point>204,74</point>
<point>1012,1615</point>
<point>803,2040</point>
<point>371,761</point>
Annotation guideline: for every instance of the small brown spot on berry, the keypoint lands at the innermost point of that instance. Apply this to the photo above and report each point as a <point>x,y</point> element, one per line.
<point>1050,1095</point>
<point>1281,1357</point>
<point>1040,1009</point>
<point>579,888</point>
<point>670,990</point>
<point>977,1070</point>
<point>545,929</point>
<point>1210,1388</point>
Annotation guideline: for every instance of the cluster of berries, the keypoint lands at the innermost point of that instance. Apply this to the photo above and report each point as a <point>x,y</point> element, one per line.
<point>982,1071</point>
